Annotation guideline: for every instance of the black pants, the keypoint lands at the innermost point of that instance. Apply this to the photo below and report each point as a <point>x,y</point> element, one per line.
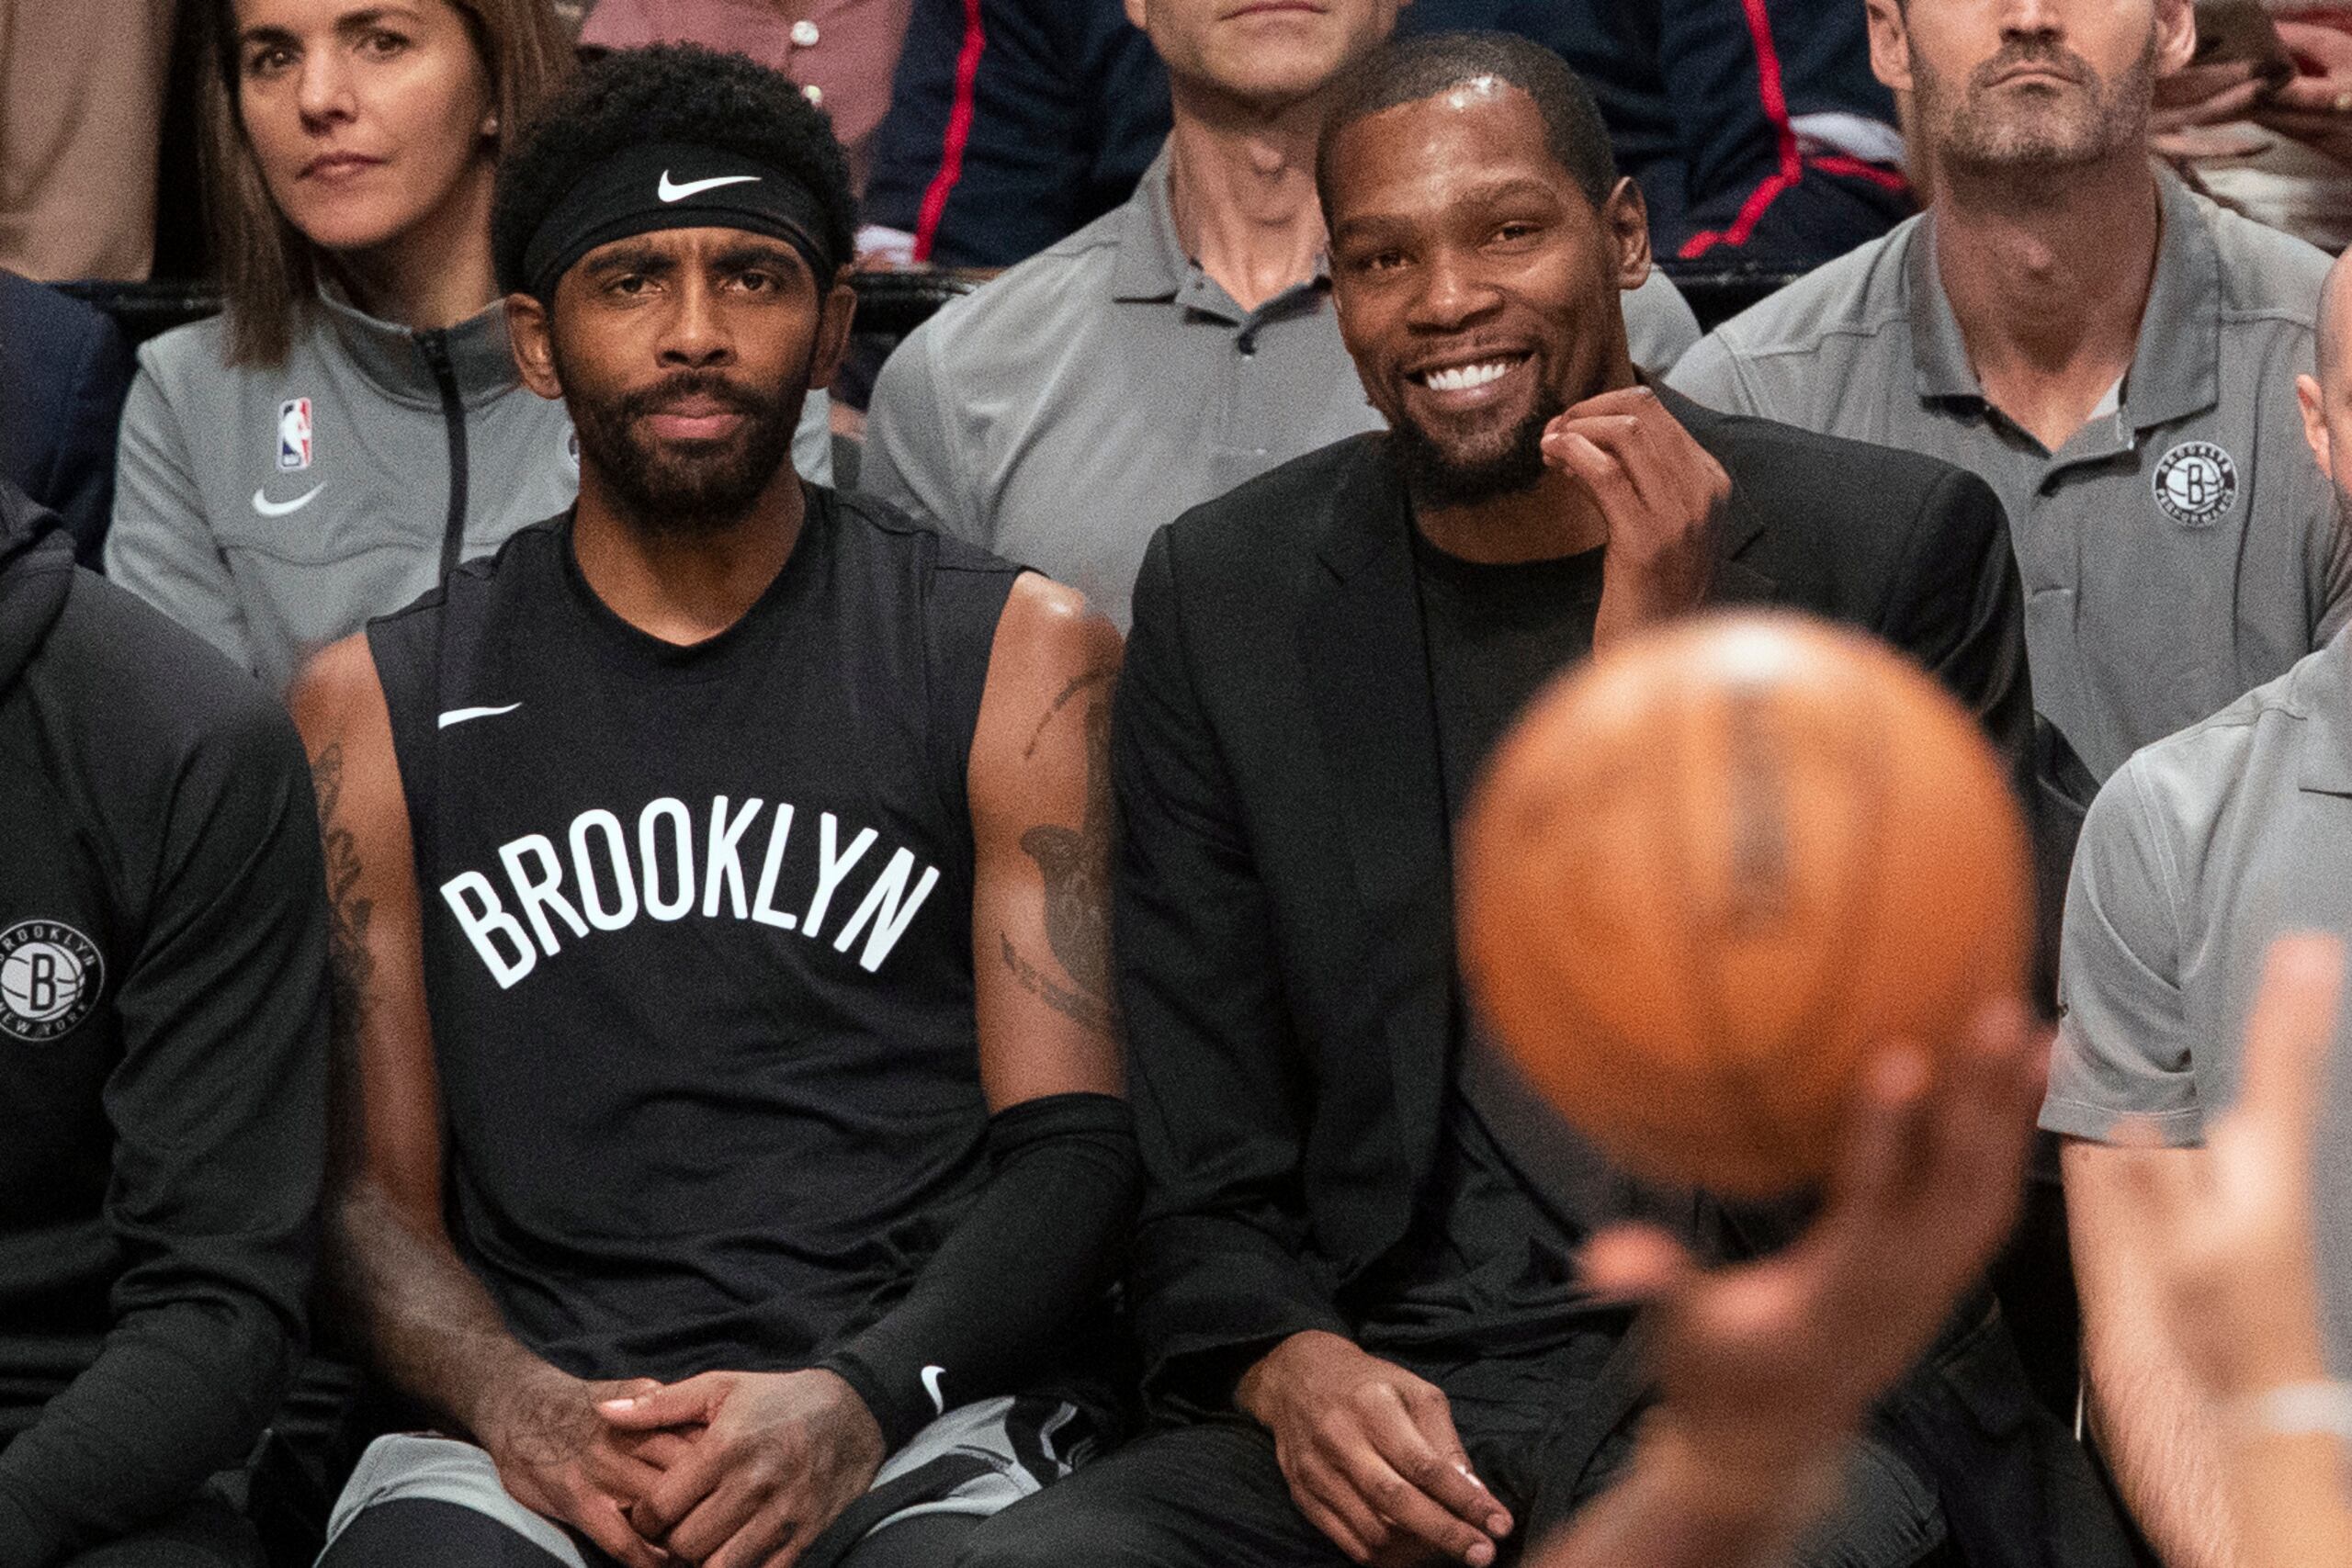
<point>418,1533</point>
<point>1211,1497</point>
<point>206,1533</point>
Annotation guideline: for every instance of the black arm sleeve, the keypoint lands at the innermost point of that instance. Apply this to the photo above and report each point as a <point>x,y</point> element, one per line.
<point>218,1113</point>
<point>1041,1242</point>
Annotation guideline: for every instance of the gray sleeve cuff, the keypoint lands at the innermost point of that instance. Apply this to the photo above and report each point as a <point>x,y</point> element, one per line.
<point>2182,1128</point>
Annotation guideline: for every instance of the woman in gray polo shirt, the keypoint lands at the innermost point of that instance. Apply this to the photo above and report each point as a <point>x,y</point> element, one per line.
<point>353,426</point>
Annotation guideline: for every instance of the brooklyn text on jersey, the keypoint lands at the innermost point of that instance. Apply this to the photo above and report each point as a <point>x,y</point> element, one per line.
<point>593,882</point>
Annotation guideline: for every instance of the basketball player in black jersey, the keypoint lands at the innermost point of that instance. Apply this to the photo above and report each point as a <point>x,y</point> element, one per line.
<point>730,1142</point>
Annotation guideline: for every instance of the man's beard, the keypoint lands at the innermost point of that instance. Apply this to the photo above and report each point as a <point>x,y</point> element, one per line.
<point>1436,479</point>
<point>664,491</point>
<point>1969,134</point>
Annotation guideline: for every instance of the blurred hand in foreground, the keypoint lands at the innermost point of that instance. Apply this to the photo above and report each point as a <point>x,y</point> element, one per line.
<point>1768,1369</point>
<point>2232,1237</point>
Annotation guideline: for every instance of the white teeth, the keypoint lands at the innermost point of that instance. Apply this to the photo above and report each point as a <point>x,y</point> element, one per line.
<point>1462,377</point>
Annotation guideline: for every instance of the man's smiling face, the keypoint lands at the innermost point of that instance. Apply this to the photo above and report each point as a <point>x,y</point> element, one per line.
<point>1476,282</point>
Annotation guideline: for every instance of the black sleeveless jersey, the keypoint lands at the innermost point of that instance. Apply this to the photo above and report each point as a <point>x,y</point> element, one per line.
<point>698,938</point>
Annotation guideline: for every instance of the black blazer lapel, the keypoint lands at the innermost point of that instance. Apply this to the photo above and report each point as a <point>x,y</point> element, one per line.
<point>1365,653</point>
<point>1736,582</point>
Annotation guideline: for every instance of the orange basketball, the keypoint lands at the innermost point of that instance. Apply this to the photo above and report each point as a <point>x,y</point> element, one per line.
<point>1708,872</point>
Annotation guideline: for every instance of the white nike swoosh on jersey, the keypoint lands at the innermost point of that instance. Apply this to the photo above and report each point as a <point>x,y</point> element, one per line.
<point>269,508</point>
<point>930,1387</point>
<point>459,715</point>
<point>669,192</point>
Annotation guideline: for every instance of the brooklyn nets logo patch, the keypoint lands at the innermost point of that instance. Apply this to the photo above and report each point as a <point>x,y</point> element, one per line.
<point>2195,483</point>
<point>50,979</point>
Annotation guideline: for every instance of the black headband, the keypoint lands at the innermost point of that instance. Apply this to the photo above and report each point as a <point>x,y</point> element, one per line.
<point>674,185</point>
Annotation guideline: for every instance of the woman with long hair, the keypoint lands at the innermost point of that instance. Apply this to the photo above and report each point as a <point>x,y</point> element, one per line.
<point>352,426</point>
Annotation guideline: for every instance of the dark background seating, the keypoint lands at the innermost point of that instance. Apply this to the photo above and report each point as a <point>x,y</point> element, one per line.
<point>890,304</point>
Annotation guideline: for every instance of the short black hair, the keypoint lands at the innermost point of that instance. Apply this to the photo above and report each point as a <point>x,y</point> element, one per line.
<point>671,91</point>
<point>1413,69</point>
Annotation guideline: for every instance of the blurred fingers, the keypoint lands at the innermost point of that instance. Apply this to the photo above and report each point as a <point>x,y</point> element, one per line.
<point>1634,1263</point>
<point>2288,1034</point>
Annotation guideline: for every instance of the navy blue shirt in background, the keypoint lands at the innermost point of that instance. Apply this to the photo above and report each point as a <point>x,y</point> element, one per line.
<point>1020,121</point>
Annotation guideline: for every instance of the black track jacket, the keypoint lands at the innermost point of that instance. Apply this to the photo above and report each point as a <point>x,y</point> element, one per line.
<point>163,1052</point>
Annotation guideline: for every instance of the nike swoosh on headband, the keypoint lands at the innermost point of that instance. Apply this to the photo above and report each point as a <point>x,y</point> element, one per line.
<point>269,508</point>
<point>459,715</point>
<point>931,1386</point>
<point>669,192</point>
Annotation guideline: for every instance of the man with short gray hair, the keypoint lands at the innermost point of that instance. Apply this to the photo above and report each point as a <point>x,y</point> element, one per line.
<point>2200,851</point>
<point>2114,355</point>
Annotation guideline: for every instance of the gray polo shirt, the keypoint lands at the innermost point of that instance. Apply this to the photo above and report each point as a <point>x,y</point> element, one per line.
<point>2179,550</point>
<point>2198,851</point>
<point>1061,414</point>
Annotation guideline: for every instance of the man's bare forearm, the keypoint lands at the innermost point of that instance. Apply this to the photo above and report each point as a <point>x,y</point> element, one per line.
<point>2162,1439</point>
<point>432,1329</point>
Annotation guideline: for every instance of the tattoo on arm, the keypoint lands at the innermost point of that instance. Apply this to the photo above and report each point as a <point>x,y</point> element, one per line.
<point>351,968</point>
<point>1076,865</point>
<point>1087,1012</point>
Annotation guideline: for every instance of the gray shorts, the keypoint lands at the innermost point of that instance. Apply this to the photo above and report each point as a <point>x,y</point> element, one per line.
<point>976,1460</point>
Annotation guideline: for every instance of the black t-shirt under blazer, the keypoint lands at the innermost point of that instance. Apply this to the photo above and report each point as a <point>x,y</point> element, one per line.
<point>697,937</point>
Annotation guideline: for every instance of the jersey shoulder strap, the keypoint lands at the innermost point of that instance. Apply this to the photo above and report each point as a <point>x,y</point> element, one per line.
<point>416,649</point>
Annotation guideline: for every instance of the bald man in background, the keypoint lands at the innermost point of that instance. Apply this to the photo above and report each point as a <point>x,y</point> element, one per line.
<point>2199,853</point>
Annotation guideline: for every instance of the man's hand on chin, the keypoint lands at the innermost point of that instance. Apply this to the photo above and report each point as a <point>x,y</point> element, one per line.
<point>778,1456</point>
<point>1370,1454</point>
<point>1660,493</point>
<point>557,1456</point>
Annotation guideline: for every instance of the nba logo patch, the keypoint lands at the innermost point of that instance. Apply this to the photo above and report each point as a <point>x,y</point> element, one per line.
<point>294,434</point>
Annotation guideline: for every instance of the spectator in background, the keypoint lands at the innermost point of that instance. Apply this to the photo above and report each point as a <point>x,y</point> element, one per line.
<point>2200,851</point>
<point>840,51</point>
<point>80,112</point>
<point>2114,355</point>
<point>1171,350</point>
<point>2276,147</point>
<point>1012,124</point>
<point>1755,130</point>
<point>64,371</point>
<point>354,425</point>
<point>162,1058</point>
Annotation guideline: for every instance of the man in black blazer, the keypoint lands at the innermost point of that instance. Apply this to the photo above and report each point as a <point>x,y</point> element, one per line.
<point>65,372</point>
<point>1354,1276</point>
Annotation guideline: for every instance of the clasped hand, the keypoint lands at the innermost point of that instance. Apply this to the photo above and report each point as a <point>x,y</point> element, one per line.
<point>727,1469</point>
